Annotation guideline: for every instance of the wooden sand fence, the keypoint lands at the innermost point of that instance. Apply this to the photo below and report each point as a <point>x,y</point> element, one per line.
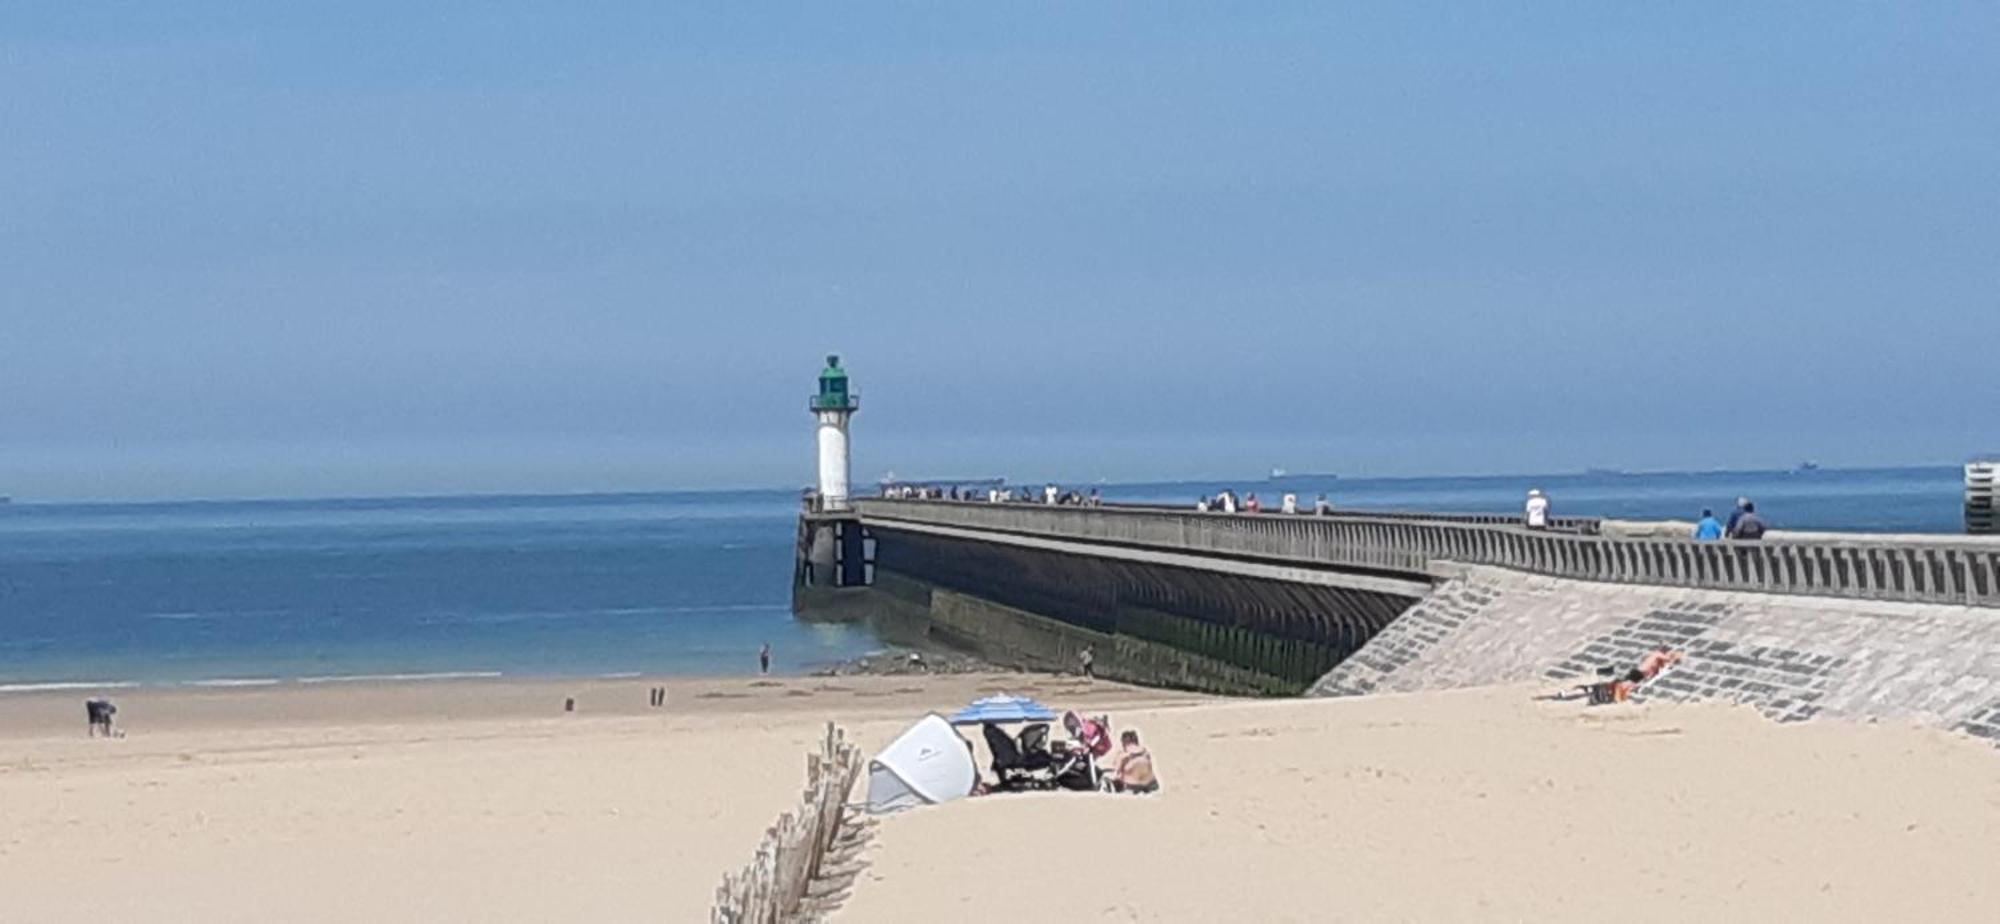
<point>772,889</point>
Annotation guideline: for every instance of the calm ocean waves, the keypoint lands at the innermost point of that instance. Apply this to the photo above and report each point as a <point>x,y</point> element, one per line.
<point>329,591</point>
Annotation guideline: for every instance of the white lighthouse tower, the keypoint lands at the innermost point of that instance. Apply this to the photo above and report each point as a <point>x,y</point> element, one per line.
<point>833,407</point>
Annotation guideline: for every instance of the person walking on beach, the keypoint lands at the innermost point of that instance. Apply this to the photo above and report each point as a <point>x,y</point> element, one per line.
<point>1537,509</point>
<point>1709,529</point>
<point>1087,661</point>
<point>764,659</point>
<point>99,712</point>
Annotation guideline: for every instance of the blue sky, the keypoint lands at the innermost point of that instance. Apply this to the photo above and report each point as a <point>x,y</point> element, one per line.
<point>248,249</point>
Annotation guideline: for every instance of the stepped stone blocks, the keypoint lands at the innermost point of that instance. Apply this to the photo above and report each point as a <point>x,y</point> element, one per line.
<point>1675,626</point>
<point>1783,683</point>
<point>1985,723</point>
<point>1406,639</point>
<point>1792,658</point>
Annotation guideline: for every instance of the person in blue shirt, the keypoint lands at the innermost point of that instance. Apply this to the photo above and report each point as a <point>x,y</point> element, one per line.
<point>1709,529</point>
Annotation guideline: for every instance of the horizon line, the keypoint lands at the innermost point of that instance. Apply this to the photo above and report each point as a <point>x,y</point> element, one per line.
<point>740,489</point>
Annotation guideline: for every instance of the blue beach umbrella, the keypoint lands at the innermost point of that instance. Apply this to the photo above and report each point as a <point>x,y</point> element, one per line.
<point>1003,708</point>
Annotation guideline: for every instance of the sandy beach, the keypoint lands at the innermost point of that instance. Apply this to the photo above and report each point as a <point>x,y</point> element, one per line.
<point>480,799</point>
<point>450,800</point>
<point>1477,805</point>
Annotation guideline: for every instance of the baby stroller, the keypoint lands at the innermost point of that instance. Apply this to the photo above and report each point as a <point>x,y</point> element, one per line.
<point>1023,764</point>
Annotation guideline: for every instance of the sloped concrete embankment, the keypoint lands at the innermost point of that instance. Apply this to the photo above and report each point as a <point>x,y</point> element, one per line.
<point>1793,658</point>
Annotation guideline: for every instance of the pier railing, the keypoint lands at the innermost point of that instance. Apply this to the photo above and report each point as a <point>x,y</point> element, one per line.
<point>1857,568</point>
<point>1586,525</point>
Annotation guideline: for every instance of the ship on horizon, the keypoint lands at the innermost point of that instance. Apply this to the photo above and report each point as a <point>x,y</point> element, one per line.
<point>1279,474</point>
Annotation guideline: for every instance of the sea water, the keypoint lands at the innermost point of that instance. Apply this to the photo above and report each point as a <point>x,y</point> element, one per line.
<point>325,591</point>
<point>245,593</point>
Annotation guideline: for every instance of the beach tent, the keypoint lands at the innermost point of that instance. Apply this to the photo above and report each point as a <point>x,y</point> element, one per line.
<point>926,765</point>
<point>1003,708</point>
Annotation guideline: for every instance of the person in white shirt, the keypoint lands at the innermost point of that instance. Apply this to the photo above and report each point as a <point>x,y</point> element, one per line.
<point>1049,495</point>
<point>1228,502</point>
<point>1290,504</point>
<point>1537,509</point>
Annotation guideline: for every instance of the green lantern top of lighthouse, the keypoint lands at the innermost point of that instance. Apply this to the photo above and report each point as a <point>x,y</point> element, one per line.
<point>833,394</point>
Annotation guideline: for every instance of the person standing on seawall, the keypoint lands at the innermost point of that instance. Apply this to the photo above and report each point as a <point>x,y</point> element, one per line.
<point>764,659</point>
<point>1322,507</point>
<point>1709,529</point>
<point>1537,509</point>
<point>1290,504</point>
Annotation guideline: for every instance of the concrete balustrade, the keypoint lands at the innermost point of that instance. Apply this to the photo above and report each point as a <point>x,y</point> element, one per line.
<point>1930,571</point>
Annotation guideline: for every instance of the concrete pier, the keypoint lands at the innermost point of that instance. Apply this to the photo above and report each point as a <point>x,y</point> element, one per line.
<point>1269,603</point>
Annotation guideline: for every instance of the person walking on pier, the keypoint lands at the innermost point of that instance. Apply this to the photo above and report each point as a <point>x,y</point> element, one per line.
<point>1749,526</point>
<point>1537,509</point>
<point>1735,516</point>
<point>1709,529</point>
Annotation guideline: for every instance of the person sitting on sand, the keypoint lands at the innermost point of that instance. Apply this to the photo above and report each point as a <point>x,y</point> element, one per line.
<point>1135,767</point>
<point>1088,733</point>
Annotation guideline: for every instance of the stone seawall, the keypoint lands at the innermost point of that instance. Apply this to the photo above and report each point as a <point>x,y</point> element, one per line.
<point>1793,658</point>
<point>1285,623</point>
<point>911,611</point>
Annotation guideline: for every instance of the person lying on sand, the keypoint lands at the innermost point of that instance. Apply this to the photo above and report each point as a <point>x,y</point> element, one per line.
<point>1135,767</point>
<point>1660,659</point>
<point>1621,689</point>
